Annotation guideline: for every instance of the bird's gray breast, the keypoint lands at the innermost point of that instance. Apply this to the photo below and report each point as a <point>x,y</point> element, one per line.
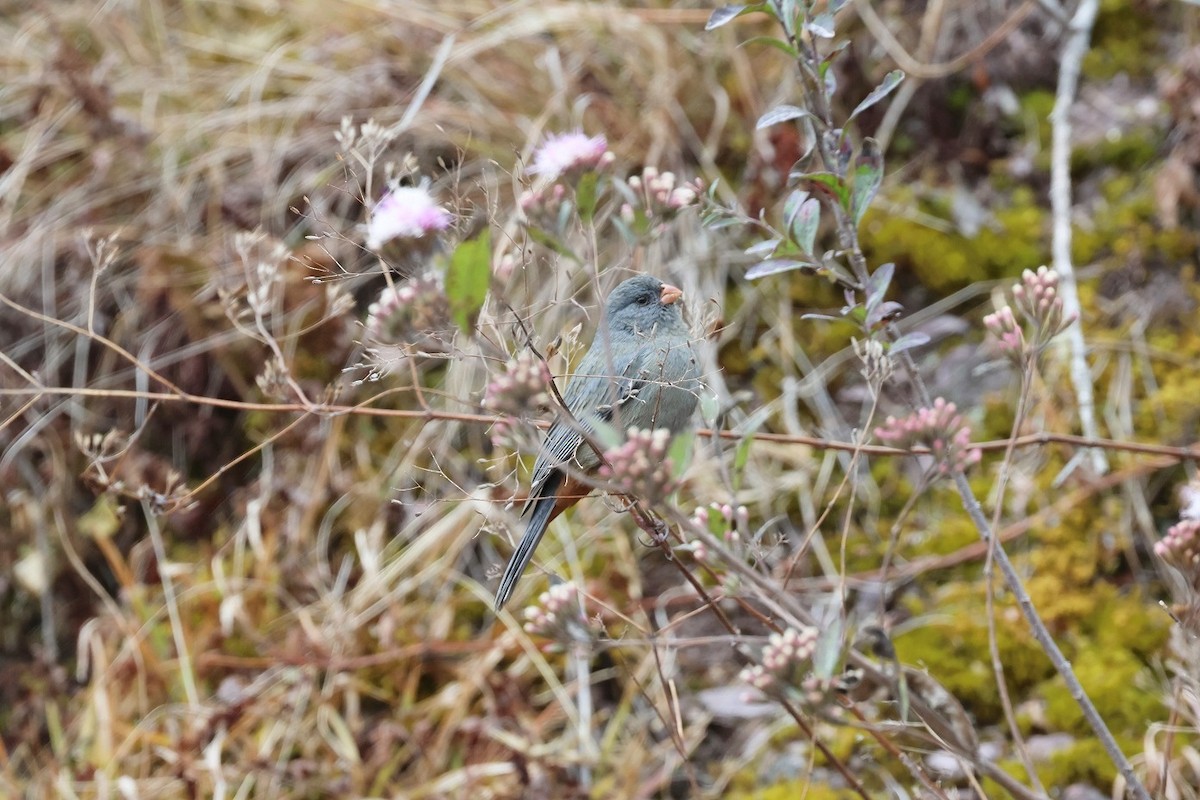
<point>665,388</point>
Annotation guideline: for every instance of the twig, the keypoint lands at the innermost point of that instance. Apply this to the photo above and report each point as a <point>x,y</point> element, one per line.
<point>365,408</point>
<point>1027,374</point>
<point>1079,34</point>
<point>1047,643</point>
<point>914,68</point>
<point>186,675</point>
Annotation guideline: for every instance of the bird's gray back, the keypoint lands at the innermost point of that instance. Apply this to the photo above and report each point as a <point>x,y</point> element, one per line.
<point>654,384</point>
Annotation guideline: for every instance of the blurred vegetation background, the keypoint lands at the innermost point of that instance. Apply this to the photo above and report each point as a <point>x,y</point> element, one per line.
<point>242,554</point>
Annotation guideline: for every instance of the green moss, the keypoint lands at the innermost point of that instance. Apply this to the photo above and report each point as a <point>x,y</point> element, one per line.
<point>1083,762</point>
<point>1036,106</point>
<point>800,789</point>
<point>1132,151</point>
<point>1110,677</point>
<point>1122,39</point>
<point>1130,622</point>
<point>1126,225</point>
<point>954,648</point>
<point>944,260</point>
<point>951,535</point>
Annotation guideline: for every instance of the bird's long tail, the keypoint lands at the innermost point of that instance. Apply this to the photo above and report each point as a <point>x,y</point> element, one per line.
<point>543,512</point>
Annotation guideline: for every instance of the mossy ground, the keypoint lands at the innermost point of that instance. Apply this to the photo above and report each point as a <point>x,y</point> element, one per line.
<point>318,620</point>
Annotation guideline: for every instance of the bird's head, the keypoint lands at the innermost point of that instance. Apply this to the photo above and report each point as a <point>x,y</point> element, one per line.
<point>644,303</point>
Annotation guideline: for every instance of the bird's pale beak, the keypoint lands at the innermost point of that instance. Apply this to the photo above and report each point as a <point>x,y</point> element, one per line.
<point>670,294</point>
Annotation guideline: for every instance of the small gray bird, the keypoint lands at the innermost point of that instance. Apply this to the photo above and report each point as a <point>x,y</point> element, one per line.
<point>639,372</point>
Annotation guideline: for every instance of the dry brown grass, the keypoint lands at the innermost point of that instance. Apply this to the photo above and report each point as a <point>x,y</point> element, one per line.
<point>240,593</point>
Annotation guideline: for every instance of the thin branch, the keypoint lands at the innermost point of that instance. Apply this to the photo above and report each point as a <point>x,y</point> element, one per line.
<point>1047,643</point>
<point>917,69</point>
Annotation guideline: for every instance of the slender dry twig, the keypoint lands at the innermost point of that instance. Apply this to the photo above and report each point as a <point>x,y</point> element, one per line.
<point>914,67</point>
<point>1010,716</point>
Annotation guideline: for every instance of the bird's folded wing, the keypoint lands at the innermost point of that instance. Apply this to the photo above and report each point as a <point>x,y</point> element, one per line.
<point>592,395</point>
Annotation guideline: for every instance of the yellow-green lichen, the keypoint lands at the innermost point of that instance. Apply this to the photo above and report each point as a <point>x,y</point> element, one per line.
<point>1124,40</point>
<point>1013,239</point>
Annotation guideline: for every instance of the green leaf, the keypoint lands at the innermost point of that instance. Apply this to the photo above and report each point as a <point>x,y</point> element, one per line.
<point>554,243</point>
<point>680,452</point>
<point>773,266</point>
<point>868,175</point>
<point>821,25</point>
<point>788,15</point>
<point>829,76</point>
<point>779,114</point>
<point>709,408</point>
<point>771,41</point>
<point>804,225</point>
<point>830,185</point>
<point>908,341</point>
<point>467,279</point>
<point>829,648</point>
<point>791,206</point>
<point>877,285</point>
<point>742,454</point>
<point>585,196</point>
<point>890,82</point>
<point>727,14</point>
<point>763,248</point>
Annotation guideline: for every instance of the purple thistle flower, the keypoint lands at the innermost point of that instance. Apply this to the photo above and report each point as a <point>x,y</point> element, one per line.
<point>563,153</point>
<point>405,212</point>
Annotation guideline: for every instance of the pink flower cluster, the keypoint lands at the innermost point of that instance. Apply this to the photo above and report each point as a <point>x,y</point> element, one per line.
<point>1181,549</point>
<point>784,659</point>
<point>405,212</point>
<point>558,614</point>
<point>640,467</point>
<point>658,195</point>
<point>1003,325</point>
<point>541,205</point>
<point>1181,545</point>
<point>733,524</point>
<point>940,428</point>
<point>521,387</point>
<point>414,307</point>
<point>725,519</point>
<point>1037,301</point>
<point>571,153</point>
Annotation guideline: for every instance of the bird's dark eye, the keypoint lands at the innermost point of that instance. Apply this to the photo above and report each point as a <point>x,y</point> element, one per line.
<point>644,299</point>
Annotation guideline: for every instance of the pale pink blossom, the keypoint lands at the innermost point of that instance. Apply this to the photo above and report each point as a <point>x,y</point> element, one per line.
<point>562,153</point>
<point>785,659</point>
<point>523,385</point>
<point>1181,545</point>
<point>405,212</point>
<point>660,193</point>
<point>940,428</point>
<point>640,466</point>
<point>1002,324</point>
